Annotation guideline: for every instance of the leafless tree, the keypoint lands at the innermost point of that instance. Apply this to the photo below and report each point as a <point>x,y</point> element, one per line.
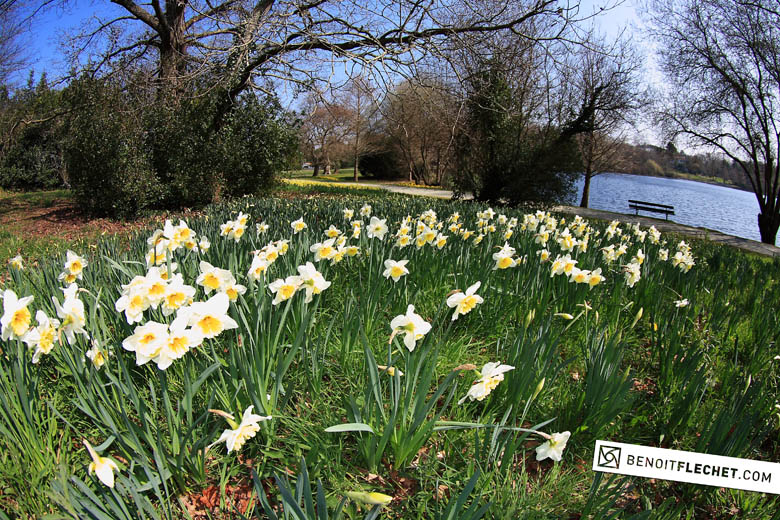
<point>240,44</point>
<point>606,77</point>
<point>359,98</point>
<point>324,131</point>
<point>421,117</point>
<point>13,55</point>
<point>722,62</point>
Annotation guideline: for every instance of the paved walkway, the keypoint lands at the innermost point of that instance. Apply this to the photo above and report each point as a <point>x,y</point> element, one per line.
<point>661,225</point>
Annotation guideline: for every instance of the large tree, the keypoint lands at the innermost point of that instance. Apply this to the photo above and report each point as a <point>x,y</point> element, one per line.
<point>238,44</point>
<point>722,61</point>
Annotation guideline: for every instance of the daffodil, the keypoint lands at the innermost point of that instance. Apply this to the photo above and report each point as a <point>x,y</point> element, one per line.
<point>298,225</point>
<point>504,258</point>
<point>365,211</point>
<point>371,499</point>
<point>177,295</point>
<point>210,318</point>
<point>325,250</point>
<point>411,325</point>
<point>204,244</point>
<point>554,447</point>
<point>490,375</point>
<point>71,312</point>
<point>395,270</point>
<point>180,341</point>
<point>465,302</point>
<point>377,228</point>
<point>97,355</point>
<point>235,438</point>
<point>233,290</point>
<point>43,337</point>
<point>258,268</point>
<point>332,232</point>
<point>16,316</point>
<point>391,371</point>
<point>348,213</point>
<point>103,467</point>
<point>213,278</point>
<point>681,303</point>
<point>16,262</point>
<point>311,280</point>
<point>284,289</point>
<point>147,341</point>
<point>595,277</point>
<point>74,264</point>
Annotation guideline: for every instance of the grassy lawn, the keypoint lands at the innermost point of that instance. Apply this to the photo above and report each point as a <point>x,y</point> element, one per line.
<point>676,351</point>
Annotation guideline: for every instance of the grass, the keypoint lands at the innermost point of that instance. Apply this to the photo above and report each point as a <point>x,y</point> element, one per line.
<point>699,377</point>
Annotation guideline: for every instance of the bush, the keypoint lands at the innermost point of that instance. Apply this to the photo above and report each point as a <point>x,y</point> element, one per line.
<point>256,142</point>
<point>379,165</point>
<point>109,170</point>
<point>183,151</point>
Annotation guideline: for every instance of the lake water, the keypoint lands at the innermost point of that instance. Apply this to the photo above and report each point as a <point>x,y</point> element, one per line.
<point>734,212</point>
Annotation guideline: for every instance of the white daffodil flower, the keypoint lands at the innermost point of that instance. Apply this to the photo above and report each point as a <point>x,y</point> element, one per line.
<point>250,424</point>
<point>377,228</point>
<point>210,318</point>
<point>411,325</point>
<point>298,225</point>
<point>490,375</point>
<point>464,302</point>
<point>284,289</point>
<point>395,270</point>
<point>311,280</point>
<point>554,447</point>
<point>71,312</point>
<point>43,337</point>
<point>16,262</point>
<point>74,264</point>
<point>147,341</point>
<point>16,316</point>
<point>180,341</point>
<point>103,467</point>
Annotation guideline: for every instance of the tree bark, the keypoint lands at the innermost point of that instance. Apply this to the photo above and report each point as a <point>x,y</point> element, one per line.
<point>357,163</point>
<point>768,224</point>
<point>586,190</point>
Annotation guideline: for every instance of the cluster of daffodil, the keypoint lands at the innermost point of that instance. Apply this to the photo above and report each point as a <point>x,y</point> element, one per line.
<point>174,311</point>
<point>413,328</point>
<point>17,323</point>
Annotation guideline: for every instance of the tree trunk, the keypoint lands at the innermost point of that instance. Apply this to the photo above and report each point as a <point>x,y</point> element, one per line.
<point>586,190</point>
<point>357,163</point>
<point>316,169</point>
<point>768,224</point>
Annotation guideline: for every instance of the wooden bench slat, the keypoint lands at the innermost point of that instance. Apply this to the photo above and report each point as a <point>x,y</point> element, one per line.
<point>638,205</point>
<point>651,204</point>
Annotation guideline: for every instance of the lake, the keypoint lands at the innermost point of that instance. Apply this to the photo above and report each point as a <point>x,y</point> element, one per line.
<point>734,212</point>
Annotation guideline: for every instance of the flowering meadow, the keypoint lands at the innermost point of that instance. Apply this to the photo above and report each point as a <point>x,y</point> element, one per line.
<point>382,357</point>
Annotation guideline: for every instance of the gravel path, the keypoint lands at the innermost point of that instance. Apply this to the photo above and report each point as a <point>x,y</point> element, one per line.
<point>661,225</point>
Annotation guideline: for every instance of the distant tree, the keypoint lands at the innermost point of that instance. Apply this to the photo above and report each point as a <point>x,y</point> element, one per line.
<point>721,60</point>
<point>606,77</point>
<point>421,117</point>
<point>358,99</point>
<point>323,131</point>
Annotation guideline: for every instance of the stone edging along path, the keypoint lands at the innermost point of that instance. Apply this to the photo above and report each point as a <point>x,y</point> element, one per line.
<point>662,225</point>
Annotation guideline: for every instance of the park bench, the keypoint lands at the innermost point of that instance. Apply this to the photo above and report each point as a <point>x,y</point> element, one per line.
<point>638,205</point>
